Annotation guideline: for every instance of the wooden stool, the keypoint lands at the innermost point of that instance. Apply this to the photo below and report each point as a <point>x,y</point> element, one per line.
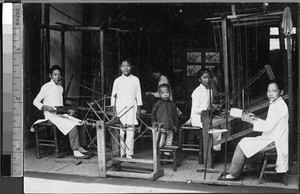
<point>269,168</point>
<point>191,147</point>
<point>46,135</point>
<point>174,151</point>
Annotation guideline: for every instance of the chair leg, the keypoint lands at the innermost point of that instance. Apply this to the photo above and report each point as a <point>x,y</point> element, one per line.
<point>178,158</point>
<point>161,156</point>
<point>55,142</point>
<point>284,179</point>
<point>180,141</point>
<point>37,142</point>
<point>174,161</point>
<point>200,147</point>
<point>262,170</point>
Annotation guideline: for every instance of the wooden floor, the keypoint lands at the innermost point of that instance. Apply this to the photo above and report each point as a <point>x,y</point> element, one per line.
<point>187,172</point>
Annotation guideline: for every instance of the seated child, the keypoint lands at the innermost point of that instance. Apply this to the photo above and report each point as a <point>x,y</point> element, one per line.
<point>164,111</point>
<point>201,98</point>
<point>51,96</point>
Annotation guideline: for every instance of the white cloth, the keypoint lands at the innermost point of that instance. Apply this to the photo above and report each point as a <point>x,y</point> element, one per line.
<point>200,102</point>
<point>163,80</point>
<point>51,95</point>
<point>287,23</point>
<point>275,129</point>
<point>126,93</point>
<point>236,112</point>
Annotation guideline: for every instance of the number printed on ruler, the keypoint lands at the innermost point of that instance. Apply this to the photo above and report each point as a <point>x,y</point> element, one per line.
<point>17,159</point>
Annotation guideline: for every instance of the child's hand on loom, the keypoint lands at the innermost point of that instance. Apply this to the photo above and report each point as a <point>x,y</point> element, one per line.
<point>252,116</point>
<point>71,112</point>
<point>249,118</point>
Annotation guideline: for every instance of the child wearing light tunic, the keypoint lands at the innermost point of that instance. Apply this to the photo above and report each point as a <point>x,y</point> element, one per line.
<point>49,97</point>
<point>201,98</point>
<point>127,98</point>
<point>274,137</point>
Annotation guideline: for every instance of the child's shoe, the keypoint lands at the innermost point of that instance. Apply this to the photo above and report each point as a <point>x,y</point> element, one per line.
<point>82,150</point>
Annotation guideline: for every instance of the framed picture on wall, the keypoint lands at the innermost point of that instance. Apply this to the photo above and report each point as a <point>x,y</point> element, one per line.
<point>192,70</point>
<point>194,57</point>
<point>212,57</point>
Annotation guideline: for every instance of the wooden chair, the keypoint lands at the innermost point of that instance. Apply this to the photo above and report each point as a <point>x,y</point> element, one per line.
<point>46,135</point>
<point>268,167</point>
<point>172,150</point>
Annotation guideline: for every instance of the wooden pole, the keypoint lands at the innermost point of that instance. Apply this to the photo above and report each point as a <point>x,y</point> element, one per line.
<point>43,69</point>
<point>298,151</point>
<point>156,158</point>
<point>102,60</point>
<point>205,119</point>
<point>240,68</point>
<point>119,51</point>
<point>283,58</point>
<point>291,100</point>
<point>138,66</point>
<point>101,148</point>
<point>231,50</point>
<point>225,61</point>
<point>43,43</point>
<point>62,47</point>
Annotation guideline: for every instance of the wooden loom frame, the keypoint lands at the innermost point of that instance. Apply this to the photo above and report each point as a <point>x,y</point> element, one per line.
<point>155,173</point>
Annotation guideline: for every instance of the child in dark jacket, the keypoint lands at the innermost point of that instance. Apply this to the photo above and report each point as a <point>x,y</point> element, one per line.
<point>165,111</point>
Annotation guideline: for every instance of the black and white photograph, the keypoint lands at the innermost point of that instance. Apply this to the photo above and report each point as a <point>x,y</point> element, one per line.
<point>151,97</point>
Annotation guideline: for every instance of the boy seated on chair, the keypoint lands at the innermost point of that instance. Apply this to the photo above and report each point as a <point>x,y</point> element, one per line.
<point>48,99</point>
<point>165,111</point>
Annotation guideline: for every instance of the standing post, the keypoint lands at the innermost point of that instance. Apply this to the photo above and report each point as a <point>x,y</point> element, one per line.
<point>205,119</point>
<point>291,107</point>
<point>100,126</point>
<point>102,60</point>
<point>225,61</point>
<point>156,161</point>
<point>156,134</point>
<point>231,52</point>
<point>43,70</point>
<point>298,139</point>
<point>44,43</point>
<point>63,66</point>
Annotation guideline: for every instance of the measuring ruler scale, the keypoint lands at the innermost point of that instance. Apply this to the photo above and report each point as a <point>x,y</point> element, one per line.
<point>13,94</point>
<point>17,155</point>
